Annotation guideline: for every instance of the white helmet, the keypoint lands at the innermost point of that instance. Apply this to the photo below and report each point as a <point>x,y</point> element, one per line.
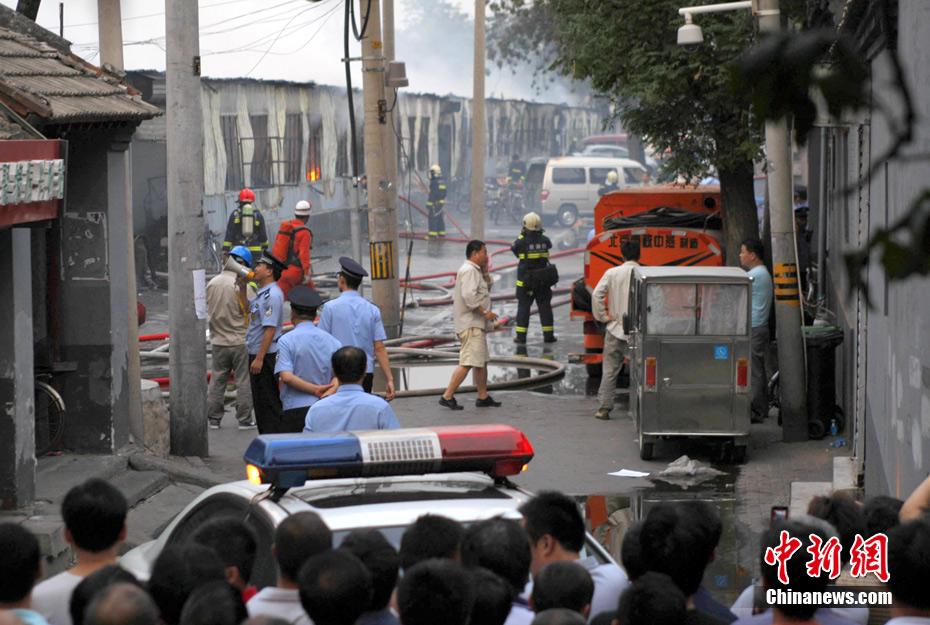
<point>611,177</point>
<point>302,208</point>
<point>531,221</point>
<point>434,171</point>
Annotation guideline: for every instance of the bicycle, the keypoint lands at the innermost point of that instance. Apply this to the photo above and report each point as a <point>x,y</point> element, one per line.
<point>213,249</point>
<point>49,414</point>
<point>511,205</point>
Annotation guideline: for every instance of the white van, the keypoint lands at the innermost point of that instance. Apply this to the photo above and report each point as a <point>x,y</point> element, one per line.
<point>570,184</point>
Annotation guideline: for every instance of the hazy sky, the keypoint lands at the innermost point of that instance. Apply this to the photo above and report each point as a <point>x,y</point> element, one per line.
<point>293,40</point>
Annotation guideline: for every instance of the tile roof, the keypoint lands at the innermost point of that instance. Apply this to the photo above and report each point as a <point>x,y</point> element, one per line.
<point>48,86</point>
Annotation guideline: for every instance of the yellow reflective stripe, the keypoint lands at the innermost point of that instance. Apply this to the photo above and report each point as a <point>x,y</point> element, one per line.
<point>537,255</point>
<point>521,256</point>
<point>548,328</point>
<point>519,329</point>
<point>443,187</point>
<point>519,282</point>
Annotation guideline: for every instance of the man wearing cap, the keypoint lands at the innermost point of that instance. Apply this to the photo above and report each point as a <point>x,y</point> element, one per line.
<point>355,321</point>
<point>267,318</point>
<point>228,318</point>
<point>298,253</point>
<point>304,360</point>
<point>473,317</point>
<point>350,408</point>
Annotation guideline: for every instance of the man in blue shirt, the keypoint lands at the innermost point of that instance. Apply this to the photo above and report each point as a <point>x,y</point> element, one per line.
<point>266,312</point>
<point>355,321</point>
<point>750,257</point>
<point>350,408</point>
<point>304,359</point>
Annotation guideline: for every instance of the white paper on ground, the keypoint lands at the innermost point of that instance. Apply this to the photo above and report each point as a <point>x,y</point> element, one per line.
<point>629,473</point>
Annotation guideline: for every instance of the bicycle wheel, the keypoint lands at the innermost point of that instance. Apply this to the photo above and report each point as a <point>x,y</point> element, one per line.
<point>49,418</point>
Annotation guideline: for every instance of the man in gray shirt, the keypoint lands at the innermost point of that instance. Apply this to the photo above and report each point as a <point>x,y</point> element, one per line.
<point>472,310</point>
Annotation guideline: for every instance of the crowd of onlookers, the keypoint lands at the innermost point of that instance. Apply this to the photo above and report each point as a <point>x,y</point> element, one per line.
<point>535,571</point>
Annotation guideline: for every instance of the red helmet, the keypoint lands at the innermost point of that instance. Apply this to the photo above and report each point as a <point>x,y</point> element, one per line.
<point>246,195</point>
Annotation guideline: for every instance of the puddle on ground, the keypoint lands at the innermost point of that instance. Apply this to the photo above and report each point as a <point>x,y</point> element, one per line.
<point>609,516</point>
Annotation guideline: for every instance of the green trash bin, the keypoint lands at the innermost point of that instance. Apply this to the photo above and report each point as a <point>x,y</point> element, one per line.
<point>821,344</point>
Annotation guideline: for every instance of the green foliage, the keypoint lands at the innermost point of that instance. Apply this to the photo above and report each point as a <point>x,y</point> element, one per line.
<point>680,102</point>
<point>780,73</point>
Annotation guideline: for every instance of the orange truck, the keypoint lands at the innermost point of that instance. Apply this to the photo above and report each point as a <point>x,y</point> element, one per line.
<point>675,226</point>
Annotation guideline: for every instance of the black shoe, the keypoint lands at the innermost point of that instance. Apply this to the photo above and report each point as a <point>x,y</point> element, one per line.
<point>450,403</point>
<point>550,339</point>
<point>487,402</point>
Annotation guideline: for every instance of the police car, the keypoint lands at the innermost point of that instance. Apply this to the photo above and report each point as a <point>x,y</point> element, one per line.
<point>378,479</point>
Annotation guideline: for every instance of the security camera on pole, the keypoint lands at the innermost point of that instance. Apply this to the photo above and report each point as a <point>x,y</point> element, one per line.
<point>792,390</point>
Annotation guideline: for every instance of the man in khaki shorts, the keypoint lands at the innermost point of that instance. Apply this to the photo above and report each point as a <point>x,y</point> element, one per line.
<point>473,317</point>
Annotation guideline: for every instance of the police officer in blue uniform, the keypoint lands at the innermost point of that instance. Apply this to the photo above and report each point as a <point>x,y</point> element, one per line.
<point>355,321</point>
<point>266,312</point>
<point>304,360</point>
<point>532,250</point>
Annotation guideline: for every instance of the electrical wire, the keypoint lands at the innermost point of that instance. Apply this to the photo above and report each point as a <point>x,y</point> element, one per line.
<point>359,35</point>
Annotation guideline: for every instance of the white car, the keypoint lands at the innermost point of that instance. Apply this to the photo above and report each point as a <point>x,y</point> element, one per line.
<point>380,479</point>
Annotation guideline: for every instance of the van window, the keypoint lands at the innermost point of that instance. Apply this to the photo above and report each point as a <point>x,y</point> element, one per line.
<point>568,175</point>
<point>535,173</point>
<point>598,175</point>
<point>633,175</point>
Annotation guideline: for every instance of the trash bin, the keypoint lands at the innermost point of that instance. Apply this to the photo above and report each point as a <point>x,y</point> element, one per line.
<point>821,379</point>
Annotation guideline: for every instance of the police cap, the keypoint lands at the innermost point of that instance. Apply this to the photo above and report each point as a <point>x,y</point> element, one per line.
<point>272,261</point>
<point>352,268</point>
<point>304,297</point>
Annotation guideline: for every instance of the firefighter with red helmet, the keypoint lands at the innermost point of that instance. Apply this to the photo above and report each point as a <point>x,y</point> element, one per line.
<point>246,226</point>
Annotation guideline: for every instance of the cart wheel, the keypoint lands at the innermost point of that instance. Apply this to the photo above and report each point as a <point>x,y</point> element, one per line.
<point>645,449</point>
<point>739,454</point>
<point>840,417</point>
<point>816,429</point>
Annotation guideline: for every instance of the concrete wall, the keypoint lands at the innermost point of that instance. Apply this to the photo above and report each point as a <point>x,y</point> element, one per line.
<point>886,376</point>
<point>92,307</point>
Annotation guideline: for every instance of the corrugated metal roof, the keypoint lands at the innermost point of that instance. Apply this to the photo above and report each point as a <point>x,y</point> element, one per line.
<point>33,73</point>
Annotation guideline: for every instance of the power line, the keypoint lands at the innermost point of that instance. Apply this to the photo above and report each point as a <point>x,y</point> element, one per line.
<point>140,17</point>
<point>326,15</point>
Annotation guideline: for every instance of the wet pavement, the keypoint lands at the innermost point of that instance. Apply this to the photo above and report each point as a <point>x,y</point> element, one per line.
<point>574,452</point>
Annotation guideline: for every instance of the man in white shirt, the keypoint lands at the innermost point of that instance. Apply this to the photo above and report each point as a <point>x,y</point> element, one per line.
<point>473,316</point>
<point>298,538</point>
<point>614,283</point>
<point>557,533</point>
<point>95,524</point>
<point>909,570</point>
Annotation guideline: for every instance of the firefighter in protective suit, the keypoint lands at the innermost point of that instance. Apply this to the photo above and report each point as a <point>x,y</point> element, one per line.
<point>532,250</point>
<point>435,203</point>
<point>246,227</point>
<point>609,185</point>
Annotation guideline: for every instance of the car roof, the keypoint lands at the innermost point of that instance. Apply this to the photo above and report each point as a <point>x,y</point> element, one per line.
<point>581,161</point>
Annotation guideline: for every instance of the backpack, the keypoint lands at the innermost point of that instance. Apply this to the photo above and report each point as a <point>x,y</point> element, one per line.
<point>283,247</point>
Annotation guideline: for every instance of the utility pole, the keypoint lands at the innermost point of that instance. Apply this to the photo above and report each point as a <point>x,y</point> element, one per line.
<point>187,364</point>
<point>110,35</point>
<point>477,129</point>
<point>792,390</point>
<point>390,157</point>
<point>382,218</point>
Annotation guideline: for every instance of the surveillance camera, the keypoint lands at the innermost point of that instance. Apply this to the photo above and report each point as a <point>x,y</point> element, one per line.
<point>690,37</point>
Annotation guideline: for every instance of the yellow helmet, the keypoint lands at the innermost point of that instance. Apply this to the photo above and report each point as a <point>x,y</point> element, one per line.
<point>531,221</point>
<point>434,171</point>
<point>611,177</point>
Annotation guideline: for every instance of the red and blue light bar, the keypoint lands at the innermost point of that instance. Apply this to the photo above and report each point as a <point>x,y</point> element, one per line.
<point>289,460</point>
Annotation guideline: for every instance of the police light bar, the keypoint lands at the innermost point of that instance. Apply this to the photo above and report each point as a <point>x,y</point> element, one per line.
<point>289,460</point>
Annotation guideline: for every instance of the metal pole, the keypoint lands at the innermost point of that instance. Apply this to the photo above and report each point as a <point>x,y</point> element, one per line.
<point>822,216</point>
<point>187,364</point>
<point>382,218</point>
<point>390,150</point>
<point>793,396</point>
<point>477,128</point>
